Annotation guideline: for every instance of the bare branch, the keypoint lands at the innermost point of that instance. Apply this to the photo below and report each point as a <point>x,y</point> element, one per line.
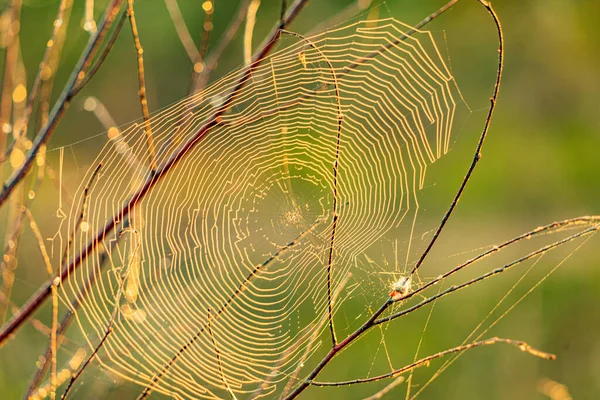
<point>425,361</point>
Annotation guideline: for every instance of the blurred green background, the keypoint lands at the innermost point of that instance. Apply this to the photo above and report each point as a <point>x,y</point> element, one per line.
<point>540,164</point>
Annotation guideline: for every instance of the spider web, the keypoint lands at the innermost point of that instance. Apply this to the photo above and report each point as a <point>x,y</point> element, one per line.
<point>217,282</point>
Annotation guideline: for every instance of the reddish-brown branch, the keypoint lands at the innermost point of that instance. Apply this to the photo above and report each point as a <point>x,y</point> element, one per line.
<point>62,103</point>
<point>152,180</point>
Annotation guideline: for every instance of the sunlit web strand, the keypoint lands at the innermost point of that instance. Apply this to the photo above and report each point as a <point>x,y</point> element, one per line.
<point>254,183</point>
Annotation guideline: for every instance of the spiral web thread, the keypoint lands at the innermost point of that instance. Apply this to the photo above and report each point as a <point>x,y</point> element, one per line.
<point>220,280</point>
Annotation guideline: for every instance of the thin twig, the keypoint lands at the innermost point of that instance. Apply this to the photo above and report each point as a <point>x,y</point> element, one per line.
<point>21,127</point>
<point>70,314</point>
<point>87,361</point>
<point>82,213</point>
<point>587,221</point>
<point>218,353</point>
<point>505,267</point>
<point>71,367</point>
<point>109,330</point>
<point>249,30</point>
<point>62,103</point>
<point>182,31</point>
<point>142,81</point>
<point>316,331</point>
<point>335,178</point>
<point>89,74</point>
<point>202,71</point>
<point>425,361</point>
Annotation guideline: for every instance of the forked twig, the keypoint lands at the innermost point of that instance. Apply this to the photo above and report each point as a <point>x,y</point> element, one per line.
<point>591,230</point>
<point>44,291</point>
<point>592,221</point>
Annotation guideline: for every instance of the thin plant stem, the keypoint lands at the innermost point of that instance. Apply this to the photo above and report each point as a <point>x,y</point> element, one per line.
<point>11,58</point>
<point>11,65</point>
<point>38,235</point>
<point>426,360</point>
<point>142,82</point>
<point>202,71</point>
<point>182,31</point>
<point>376,396</point>
<point>62,103</point>
<point>53,45</point>
<point>249,30</point>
